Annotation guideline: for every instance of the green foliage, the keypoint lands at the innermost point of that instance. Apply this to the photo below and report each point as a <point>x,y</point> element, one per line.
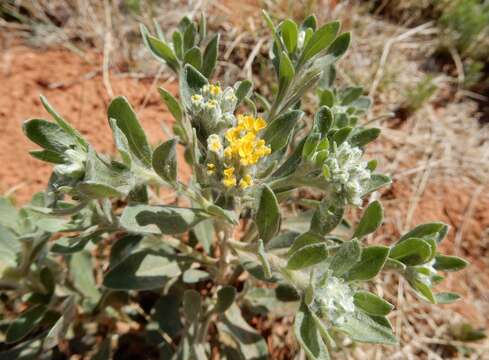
<point>187,254</point>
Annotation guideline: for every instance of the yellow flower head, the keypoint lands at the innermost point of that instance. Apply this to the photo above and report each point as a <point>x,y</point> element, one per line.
<point>214,143</point>
<point>215,90</point>
<point>211,104</point>
<point>196,98</point>
<point>211,169</point>
<point>246,181</point>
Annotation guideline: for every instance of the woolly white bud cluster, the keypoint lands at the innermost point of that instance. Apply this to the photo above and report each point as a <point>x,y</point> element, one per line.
<point>348,173</point>
<point>334,299</point>
<point>214,107</point>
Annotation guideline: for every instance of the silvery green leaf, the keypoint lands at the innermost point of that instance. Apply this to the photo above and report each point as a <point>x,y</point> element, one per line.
<point>166,313</point>
<point>320,40</point>
<point>122,248</point>
<point>148,219</point>
<point>177,38</point>
<point>81,269</point>
<point>9,215</point>
<point>342,135</point>
<point>191,82</point>
<point>360,327</point>
<point>372,304</point>
<point>376,182</point>
<point>289,32</point>
<point>305,239</point>
<point>9,248</point>
<point>193,276</point>
<point>160,49</point>
<point>225,298</point>
<point>165,160</point>
<point>48,135</point>
<point>262,256</point>
<point>25,323</point>
<point>363,137</point>
<point>370,221</point>
<point>278,132</point>
<point>339,46</point>
<point>307,256</point>
<point>123,113</point>
<point>60,327</point>
<point>264,301</point>
<point>286,71</point>
<point>121,143</point>
<point>204,232</point>
<point>371,262</point>
<point>267,217</point>
<point>48,156</point>
<point>437,230</point>
<point>210,57</point>
<point>191,304</point>
<point>449,263</point>
<point>323,120</point>
<point>71,245</point>
<point>327,215</point>
<point>308,335</point>
<point>249,342</point>
<point>350,94</point>
<point>411,252</point>
<point>243,89</point>
<point>423,290</point>
<point>172,104</point>
<point>446,297</point>
<point>193,56</point>
<point>290,165</point>
<point>282,240</point>
<point>142,270</point>
<point>346,257</point>
<point>63,123</point>
<point>327,98</point>
<point>202,26</point>
<point>189,36</point>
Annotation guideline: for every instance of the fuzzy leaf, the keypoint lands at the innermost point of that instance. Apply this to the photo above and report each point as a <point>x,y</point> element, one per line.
<point>25,323</point>
<point>165,160</point>
<point>225,298</point>
<point>191,81</point>
<point>437,230</point>
<point>371,262</point>
<point>147,219</point>
<point>339,46</point>
<point>320,40</point>
<point>346,257</point>
<point>48,135</point>
<point>370,221</point>
<point>372,304</point>
<point>243,90</point>
<point>307,256</point>
<point>267,217</point>
<point>122,112</point>
<point>191,304</point>
<point>360,327</point>
<point>411,252</point>
<point>142,270</point>
<point>210,57</point>
<point>363,137</point>
<point>308,335</point>
<point>449,263</point>
<point>172,104</point>
<point>193,57</point>
<point>289,35</point>
<point>327,216</point>
<point>278,132</point>
<point>446,297</point>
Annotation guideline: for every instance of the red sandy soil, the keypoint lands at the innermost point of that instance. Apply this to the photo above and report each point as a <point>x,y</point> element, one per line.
<point>75,88</point>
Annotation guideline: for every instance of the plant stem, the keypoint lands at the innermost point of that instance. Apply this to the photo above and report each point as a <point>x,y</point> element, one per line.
<point>187,250</point>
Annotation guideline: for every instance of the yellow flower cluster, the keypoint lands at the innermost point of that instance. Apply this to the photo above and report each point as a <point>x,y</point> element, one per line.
<point>243,143</point>
<point>243,149</point>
